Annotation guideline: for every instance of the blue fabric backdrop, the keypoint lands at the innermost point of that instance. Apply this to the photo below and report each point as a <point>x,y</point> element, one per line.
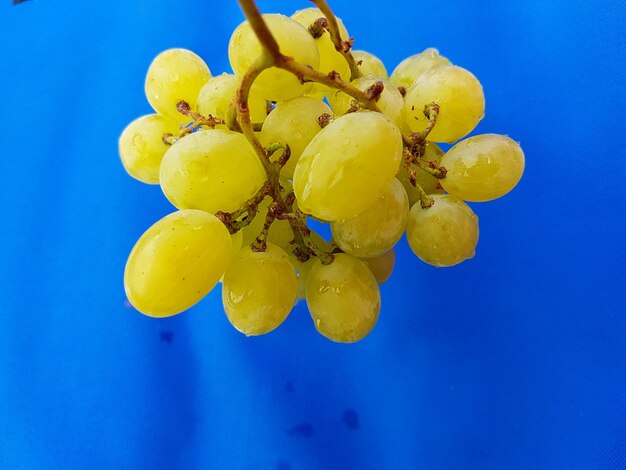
<point>514,360</point>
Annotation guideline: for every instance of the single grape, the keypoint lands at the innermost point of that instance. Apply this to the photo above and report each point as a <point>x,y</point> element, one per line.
<point>411,68</point>
<point>370,64</point>
<point>212,170</point>
<point>175,75</point>
<point>304,269</point>
<point>347,166</point>
<point>483,167</point>
<point>142,148</point>
<point>343,299</point>
<point>259,289</point>
<point>459,95</point>
<point>377,229</point>
<point>176,262</point>
<point>429,183</point>
<point>216,95</point>
<point>294,41</point>
<point>293,122</point>
<point>390,101</point>
<point>280,232</point>
<point>444,234</point>
<point>330,58</point>
<point>382,266</point>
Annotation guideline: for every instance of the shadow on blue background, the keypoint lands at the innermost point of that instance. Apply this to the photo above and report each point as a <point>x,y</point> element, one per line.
<point>513,360</point>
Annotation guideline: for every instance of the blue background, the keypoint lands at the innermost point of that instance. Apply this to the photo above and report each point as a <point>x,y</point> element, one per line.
<point>513,360</point>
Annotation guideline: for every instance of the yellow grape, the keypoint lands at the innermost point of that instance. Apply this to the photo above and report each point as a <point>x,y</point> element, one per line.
<point>444,234</point>
<point>294,40</point>
<point>429,183</point>
<point>377,229</point>
<point>456,91</point>
<point>330,58</point>
<point>343,299</point>
<point>370,64</point>
<point>411,68</point>
<point>142,148</point>
<point>280,232</point>
<point>176,262</point>
<point>212,170</point>
<point>259,289</point>
<point>390,101</point>
<point>304,267</point>
<point>347,166</point>
<point>293,122</point>
<point>382,266</point>
<point>483,167</point>
<point>175,75</point>
<point>216,95</point>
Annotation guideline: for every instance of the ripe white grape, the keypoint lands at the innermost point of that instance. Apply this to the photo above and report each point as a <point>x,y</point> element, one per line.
<point>377,229</point>
<point>330,58</point>
<point>141,146</point>
<point>259,289</point>
<point>175,75</point>
<point>390,101</point>
<point>216,96</point>
<point>293,122</point>
<point>176,262</point>
<point>382,266</point>
<point>459,95</point>
<point>347,166</point>
<point>411,68</point>
<point>294,41</point>
<point>483,167</point>
<point>212,170</point>
<point>370,64</point>
<point>343,299</point>
<point>444,234</point>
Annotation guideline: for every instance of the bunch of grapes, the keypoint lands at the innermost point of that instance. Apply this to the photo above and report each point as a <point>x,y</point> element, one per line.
<point>305,128</point>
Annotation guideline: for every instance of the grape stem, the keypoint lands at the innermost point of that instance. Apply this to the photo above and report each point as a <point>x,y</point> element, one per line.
<point>341,45</point>
<point>409,159</point>
<point>303,72</point>
<point>304,245</point>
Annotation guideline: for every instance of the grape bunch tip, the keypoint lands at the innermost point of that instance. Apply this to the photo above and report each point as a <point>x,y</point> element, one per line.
<point>305,127</point>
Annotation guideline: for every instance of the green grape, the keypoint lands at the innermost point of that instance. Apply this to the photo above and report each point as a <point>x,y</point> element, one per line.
<point>370,64</point>
<point>280,232</point>
<point>294,41</point>
<point>330,58</point>
<point>347,166</point>
<point>176,262</point>
<point>237,239</point>
<point>212,170</point>
<point>444,234</point>
<point>456,91</point>
<point>411,68</point>
<point>304,267</point>
<point>259,290</point>
<point>175,75</point>
<point>237,242</point>
<point>343,299</point>
<point>483,167</point>
<point>377,229</point>
<point>390,101</point>
<point>293,122</point>
<point>142,148</point>
<point>216,95</point>
<point>382,266</point>
<point>429,183</point>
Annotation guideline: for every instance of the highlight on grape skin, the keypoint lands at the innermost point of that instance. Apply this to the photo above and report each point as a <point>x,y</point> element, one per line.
<point>306,128</point>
